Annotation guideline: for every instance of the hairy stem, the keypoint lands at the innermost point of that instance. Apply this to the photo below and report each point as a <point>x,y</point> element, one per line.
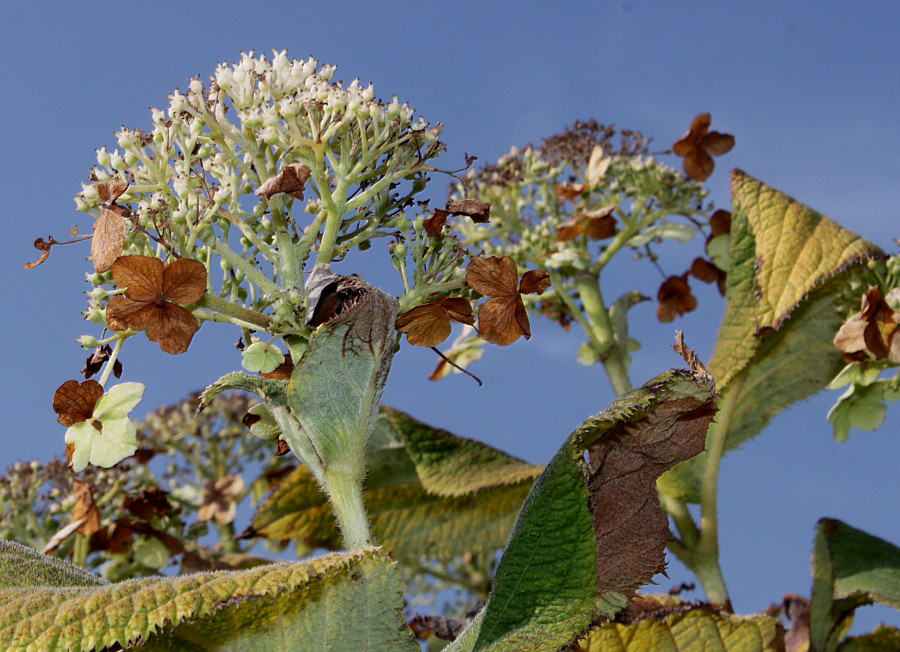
<point>613,357</point>
<point>344,488</point>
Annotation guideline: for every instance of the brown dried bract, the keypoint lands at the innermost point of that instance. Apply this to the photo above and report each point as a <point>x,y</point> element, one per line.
<point>872,329</point>
<point>85,508</point>
<point>502,318</point>
<point>152,293</point>
<point>95,360</point>
<point>281,372</point>
<point>675,298</point>
<point>434,225</point>
<point>429,324</point>
<point>597,224</point>
<point>109,227</point>
<point>699,145</point>
<point>74,402</point>
<point>148,503</point>
<point>704,270</point>
<point>479,211</point>
<point>290,180</point>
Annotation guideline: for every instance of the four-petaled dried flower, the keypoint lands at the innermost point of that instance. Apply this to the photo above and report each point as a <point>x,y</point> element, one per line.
<point>152,293</point>
<point>220,499</point>
<point>675,298</point>
<point>502,318</point>
<point>872,329</point>
<point>429,324</point>
<point>100,431</point>
<point>699,145</point>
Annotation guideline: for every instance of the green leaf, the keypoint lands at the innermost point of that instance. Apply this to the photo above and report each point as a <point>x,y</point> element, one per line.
<point>268,389</point>
<point>347,601</point>
<point>697,630</point>
<point>24,566</point>
<point>589,534</point>
<point>850,568</point>
<point>335,387</point>
<point>428,492</point>
<point>786,295</point>
<point>881,638</point>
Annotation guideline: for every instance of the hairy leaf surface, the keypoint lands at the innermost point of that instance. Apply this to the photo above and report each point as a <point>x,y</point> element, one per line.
<point>285,606</point>
<point>428,492</point>
<point>589,534</point>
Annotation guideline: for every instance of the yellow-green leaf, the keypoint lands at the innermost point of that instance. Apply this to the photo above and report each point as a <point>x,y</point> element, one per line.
<point>697,630</point>
<point>339,601</point>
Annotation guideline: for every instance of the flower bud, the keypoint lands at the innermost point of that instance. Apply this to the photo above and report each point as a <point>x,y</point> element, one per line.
<point>88,342</point>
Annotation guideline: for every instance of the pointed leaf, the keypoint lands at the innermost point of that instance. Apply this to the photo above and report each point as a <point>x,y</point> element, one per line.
<point>297,606</point>
<point>586,538</point>
<point>850,568</point>
<point>786,292</point>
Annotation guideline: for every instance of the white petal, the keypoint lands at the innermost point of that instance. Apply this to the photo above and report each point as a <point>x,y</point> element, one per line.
<point>80,435</point>
<point>118,401</point>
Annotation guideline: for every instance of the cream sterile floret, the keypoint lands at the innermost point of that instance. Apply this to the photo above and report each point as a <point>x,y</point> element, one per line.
<point>108,436</point>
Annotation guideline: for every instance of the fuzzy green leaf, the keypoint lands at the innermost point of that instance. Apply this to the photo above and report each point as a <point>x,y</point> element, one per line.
<point>286,606</point>
<point>697,630</point>
<point>24,566</point>
<point>850,568</point>
<point>786,295</point>
<point>587,537</point>
<point>428,492</point>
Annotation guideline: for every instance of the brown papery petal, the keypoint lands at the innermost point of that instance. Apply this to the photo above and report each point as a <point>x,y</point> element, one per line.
<point>141,275</point>
<point>700,125</point>
<point>717,143</point>
<point>568,190</point>
<point>534,280</point>
<point>435,224</point>
<point>699,165</point>
<point>503,320</point>
<point>600,228</point>
<point>75,402</point>
<point>492,276</point>
<point>85,508</point>
<point>108,240</point>
<point>184,281</point>
<point>704,270</point>
<point>479,211</point>
<point>425,325</point>
<point>173,327</point>
<point>720,222</point>
<point>459,309</point>
<point>123,314</point>
<point>110,191</point>
<point>290,180</point>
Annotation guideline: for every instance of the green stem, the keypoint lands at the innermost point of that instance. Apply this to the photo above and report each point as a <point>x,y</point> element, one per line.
<point>80,551</point>
<point>613,357</point>
<point>344,488</point>
<point>245,315</point>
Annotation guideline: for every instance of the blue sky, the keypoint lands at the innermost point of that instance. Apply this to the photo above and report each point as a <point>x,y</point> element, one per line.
<point>809,89</point>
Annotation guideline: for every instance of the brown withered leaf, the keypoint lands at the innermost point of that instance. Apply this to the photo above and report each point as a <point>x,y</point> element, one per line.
<point>479,211</point>
<point>675,298</point>
<point>85,508</point>
<point>44,247</point>
<point>148,503</point>
<point>429,324</point>
<point>290,180</point>
<point>74,402</point>
<point>502,318</point>
<point>630,527</point>
<point>699,145</point>
<point>872,329</point>
<point>108,240</point>
<point>701,373</point>
<point>434,225</point>
<point>152,293</point>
